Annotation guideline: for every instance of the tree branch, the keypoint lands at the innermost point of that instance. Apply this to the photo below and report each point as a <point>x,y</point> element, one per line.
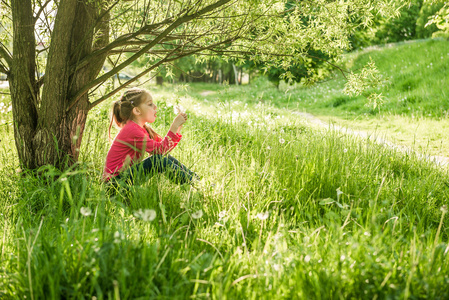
<point>120,41</point>
<point>174,25</point>
<point>4,53</point>
<point>41,9</point>
<point>164,60</point>
<point>3,69</point>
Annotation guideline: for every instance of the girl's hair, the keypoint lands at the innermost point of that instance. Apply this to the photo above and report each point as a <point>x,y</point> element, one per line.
<point>122,110</point>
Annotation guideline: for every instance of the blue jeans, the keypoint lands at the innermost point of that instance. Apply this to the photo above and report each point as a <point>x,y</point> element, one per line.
<point>176,171</point>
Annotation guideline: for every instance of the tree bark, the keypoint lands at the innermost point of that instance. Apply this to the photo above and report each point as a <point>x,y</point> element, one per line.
<point>236,74</point>
<point>50,132</point>
<point>23,86</point>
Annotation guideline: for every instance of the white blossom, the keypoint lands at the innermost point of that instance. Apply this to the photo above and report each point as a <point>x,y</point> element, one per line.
<point>85,211</point>
<point>179,109</point>
<point>222,214</point>
<point>263,215</point>
<point>147,215</point>
<point>198,214</point>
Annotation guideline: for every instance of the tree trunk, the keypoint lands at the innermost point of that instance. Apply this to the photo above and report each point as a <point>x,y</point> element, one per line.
<point>23,87</point>
<point>236,75</point>
<point>51,134</point>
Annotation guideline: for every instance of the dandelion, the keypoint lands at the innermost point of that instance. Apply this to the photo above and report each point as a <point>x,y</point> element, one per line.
<point>444,209</point>
<point>268,148</point>
<point>345,150</point>
<point>281,140</point>
<point>222,214</point>
<point>263,215</point>
<point>198,214</point>
<point>147,215</point>
<point>179,109</point>
<point>307,258</point>
<point>85,211</point>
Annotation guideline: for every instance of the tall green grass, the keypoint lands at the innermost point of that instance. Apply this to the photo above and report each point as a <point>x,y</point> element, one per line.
<point>283,211</point>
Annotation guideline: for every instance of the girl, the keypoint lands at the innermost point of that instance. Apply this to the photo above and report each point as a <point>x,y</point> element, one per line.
<point>131,113</point>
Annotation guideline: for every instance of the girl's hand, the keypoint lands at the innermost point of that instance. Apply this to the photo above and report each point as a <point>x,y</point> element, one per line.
<point>180,119</point>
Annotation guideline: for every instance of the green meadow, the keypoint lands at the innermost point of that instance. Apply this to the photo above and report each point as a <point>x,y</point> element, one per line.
<point>284,210</point>
<point>415,91</point>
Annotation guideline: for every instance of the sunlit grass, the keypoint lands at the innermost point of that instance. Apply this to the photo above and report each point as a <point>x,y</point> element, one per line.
<point>283,211</point>
<point>416,89</point>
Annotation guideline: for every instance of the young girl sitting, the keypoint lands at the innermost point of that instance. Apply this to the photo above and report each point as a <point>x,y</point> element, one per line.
<point>124,159</point>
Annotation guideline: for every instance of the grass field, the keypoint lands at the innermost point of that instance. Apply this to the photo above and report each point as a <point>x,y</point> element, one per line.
<point>283,211</point>
<point>416,90</point>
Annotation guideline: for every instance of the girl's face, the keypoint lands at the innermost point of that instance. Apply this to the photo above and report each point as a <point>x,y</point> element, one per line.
<point>146,111</point>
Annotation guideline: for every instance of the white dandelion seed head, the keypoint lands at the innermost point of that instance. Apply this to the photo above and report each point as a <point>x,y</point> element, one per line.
<point>268,148</point>
<point>263,215</point>
<point>307,258</point>
<point>444,209</point>
<point>345,150</point>
<point>281,140</point>
<point>85,211</point>
<point>198,214</point>
<point>222,214</point>
<point>146,215</point>
<point>179,109</point>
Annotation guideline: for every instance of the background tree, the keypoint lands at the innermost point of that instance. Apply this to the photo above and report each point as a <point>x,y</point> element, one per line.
<point>70,40</point>
<point>412,23</point>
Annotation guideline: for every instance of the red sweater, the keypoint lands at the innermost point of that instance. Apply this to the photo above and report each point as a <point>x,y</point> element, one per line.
<point>131,143</point>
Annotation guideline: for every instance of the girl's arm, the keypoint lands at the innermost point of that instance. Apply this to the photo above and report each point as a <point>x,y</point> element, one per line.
<point>138,140</point>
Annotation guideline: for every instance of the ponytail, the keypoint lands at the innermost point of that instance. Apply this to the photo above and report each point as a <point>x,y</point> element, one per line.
<point>153,135</point>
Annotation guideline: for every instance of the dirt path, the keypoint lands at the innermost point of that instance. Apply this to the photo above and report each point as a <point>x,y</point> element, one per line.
<point>205,93</point>
<point>439,160</point>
